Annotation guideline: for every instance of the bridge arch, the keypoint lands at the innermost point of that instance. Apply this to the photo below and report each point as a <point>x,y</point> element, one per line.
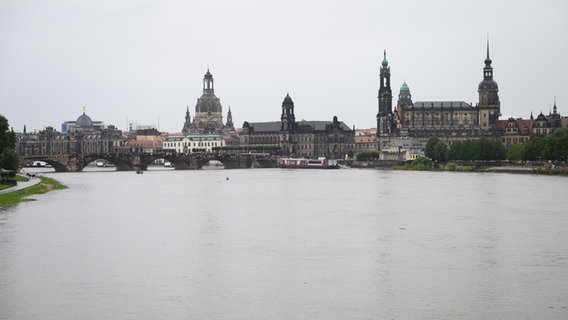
<point>119,163</point>
<point>58,166</point>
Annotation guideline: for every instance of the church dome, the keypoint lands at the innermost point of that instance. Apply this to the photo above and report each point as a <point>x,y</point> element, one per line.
<point>488,85</point>
<point>287,100</point>
<point>84,121</point>
<point>404,87</point>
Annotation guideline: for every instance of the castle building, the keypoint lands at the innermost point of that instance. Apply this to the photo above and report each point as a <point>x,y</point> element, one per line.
<point>455,120</point>
<point>331,139</point>
<point>450,120</point>
<point>208,113</point>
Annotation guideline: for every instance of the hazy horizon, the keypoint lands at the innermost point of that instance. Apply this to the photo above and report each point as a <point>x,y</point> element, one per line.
<point>143,61</point>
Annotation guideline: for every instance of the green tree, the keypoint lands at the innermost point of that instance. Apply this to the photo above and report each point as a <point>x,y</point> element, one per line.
<point>516,152</point>
<point>8,156</point>
<point>477,149</point>
<point>533,148</point>
<point>456,151</point>
<point>436,149</point>
<point>7,137</point>
<point>422,163</point>
<point>367,155</point>
<point>561,136</point>
<point>9,159</point>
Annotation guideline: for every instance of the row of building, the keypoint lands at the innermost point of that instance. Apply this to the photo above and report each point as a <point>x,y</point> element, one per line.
<point>401,131</point>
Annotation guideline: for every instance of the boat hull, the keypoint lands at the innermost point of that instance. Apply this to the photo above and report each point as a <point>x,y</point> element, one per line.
<point>302,163</point>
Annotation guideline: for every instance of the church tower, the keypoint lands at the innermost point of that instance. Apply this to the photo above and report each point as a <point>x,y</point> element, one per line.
<point>489,105</point>
<point>187,126</point>
<point>385,116</point>
<point>404,97</point>
<point>229,126</point>
<point>208,110</point>
<point>288,119</point>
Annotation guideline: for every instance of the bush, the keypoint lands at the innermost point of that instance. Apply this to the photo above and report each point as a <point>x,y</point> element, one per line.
<point>367,155</point>
<point>422,163</point>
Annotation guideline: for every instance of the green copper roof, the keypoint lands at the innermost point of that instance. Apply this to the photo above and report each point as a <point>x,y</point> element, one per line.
<point>385,62</point>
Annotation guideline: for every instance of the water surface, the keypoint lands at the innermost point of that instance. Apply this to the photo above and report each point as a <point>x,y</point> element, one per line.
<point>288,244</point>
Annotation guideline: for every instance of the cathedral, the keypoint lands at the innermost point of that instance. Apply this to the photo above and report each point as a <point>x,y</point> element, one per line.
<point>208,117</point>
<point>447,119</point>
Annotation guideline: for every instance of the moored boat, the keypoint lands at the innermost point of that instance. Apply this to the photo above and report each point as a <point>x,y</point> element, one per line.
<point>303,163</point>
<point>213,165</point>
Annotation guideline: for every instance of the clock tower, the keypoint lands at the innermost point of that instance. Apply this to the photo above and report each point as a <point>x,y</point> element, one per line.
<point>489,105</point>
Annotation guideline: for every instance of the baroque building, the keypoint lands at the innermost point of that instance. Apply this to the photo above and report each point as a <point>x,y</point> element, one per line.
<point>330,139</point>
<point>193,143</point>
<point>208,117</point>
<point>454,120</point>
<point>519,130</point>
<point>83,136</point>
<point>450,120</point>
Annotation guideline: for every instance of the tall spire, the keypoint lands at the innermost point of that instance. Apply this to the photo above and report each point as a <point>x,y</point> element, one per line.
<point>488,60</point>
<point>488,70</point>
<point>385,62</point>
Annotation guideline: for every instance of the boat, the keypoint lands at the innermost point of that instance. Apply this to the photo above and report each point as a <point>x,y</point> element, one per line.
<point>303,163</point>
<point>213,165</point>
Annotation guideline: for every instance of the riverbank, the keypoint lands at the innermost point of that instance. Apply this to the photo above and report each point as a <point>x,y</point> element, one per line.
<point>24,190</point>
<point>503,169</point>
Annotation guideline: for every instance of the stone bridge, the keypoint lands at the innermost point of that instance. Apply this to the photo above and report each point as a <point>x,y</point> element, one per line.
<point>140,161</point>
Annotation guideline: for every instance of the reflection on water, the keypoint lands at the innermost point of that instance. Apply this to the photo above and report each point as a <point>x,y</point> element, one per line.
<point>287,244</point>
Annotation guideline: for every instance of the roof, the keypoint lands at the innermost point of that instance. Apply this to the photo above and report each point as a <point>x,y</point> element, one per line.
<point>204,137</point>
<point>303,125</point>
<point>173,138</point>
<point>143,143</point>
<point>266,126</point>
<point>84,121</point>
<point>361,139</point>
<point>524,125</point>
<point>441,104</point>
<point>148,132</point>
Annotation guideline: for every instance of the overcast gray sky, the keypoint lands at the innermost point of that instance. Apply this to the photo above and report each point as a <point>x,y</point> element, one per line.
<point>144,60</point>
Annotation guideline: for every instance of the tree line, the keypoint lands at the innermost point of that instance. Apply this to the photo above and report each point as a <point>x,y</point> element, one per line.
<point>552,147</point>
<point>8,156</point>
<point>467,150</point>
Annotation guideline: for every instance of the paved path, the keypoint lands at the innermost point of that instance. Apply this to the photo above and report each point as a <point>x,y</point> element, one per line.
<point>22,185</point>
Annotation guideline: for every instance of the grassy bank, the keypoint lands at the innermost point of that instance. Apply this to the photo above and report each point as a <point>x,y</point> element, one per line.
<point>425,164</point>
<point>46,184</point>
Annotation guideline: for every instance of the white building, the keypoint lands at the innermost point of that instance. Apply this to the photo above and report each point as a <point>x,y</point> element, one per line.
<point>193,143</point>
<point>402,149</point>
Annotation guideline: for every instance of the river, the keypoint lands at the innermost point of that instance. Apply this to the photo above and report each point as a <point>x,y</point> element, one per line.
<point>288,244</point>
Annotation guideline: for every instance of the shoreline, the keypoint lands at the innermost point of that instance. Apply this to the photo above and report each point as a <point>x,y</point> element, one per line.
<point>24,190</point>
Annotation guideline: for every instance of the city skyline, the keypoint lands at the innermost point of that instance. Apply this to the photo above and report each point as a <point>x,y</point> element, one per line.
<point>144,62</point>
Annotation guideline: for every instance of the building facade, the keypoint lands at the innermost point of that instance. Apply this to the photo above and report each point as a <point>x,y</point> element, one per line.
<point>330,139</point>
<point>452,120</point>
<point>520,130</point>
<point>187,144</point>
<point>84,137</point>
